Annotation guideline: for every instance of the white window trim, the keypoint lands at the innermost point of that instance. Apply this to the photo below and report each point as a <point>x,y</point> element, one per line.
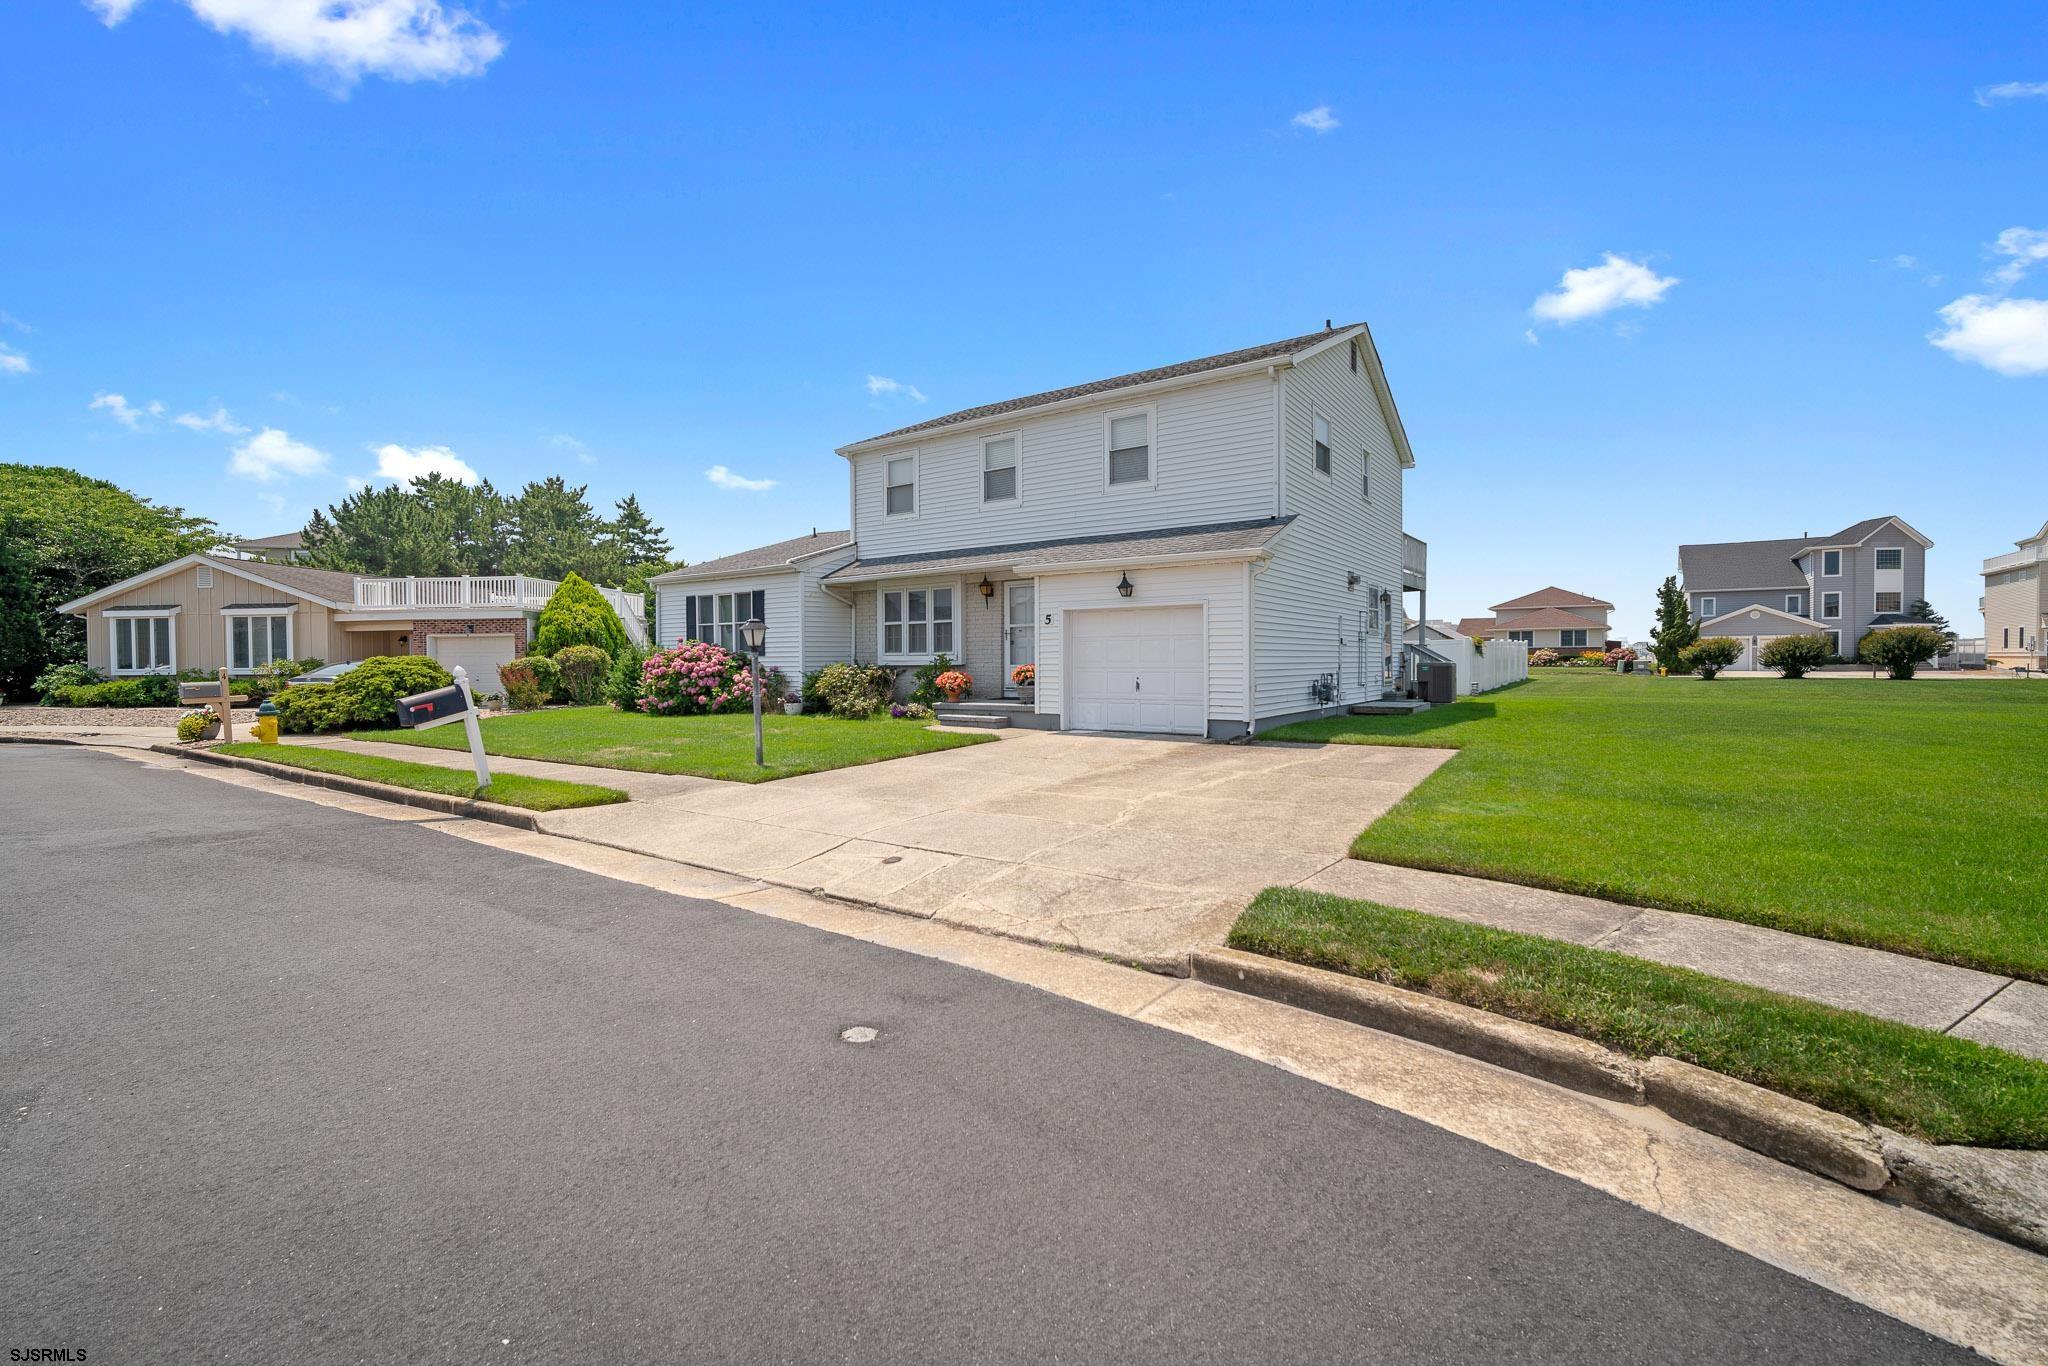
<point>289,611</point>
<point>117,614</point>
<point>1315,416</point>
<point>717,622</point>
<point>1825,614</point>
<point>1016,498</point>
<point>1579,644</point>
<point>1151,479</point>
<point>957,650</point>
<point>916,485</point>
<point>1826,572</point>
<point>1707,606</point>
<point>1792,601</point>
<point>1876,551</point>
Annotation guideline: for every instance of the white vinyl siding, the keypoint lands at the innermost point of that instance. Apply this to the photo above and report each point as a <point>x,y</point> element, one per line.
<point>778,609</point>
<point>999,469</point>
<point>1219,588</point>
<point>257,639</point>
<point>1211,459</point>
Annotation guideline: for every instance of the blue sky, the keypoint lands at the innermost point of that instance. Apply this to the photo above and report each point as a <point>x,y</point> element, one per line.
<point>634,244</point>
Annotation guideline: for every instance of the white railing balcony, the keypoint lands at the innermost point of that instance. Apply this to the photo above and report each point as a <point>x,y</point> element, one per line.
<point>437,594</point>
<point>1414,561</point>
<point>2013,560</point>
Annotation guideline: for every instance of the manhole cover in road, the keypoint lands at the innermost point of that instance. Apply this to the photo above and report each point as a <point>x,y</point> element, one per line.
<point>859,1034</point>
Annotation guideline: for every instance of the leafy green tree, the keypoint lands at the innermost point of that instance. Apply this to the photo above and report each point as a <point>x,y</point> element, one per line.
<point>1708,657</point>
<point>1675,629</point>
<point>1793,656</point>
<point>1899,650</point>
<point>577,614</point>
<point>68,535</point>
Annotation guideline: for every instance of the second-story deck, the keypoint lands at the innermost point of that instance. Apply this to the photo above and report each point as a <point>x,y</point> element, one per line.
<point>1414,562</point>
<point>485,592</point>
<point>2016,559</point>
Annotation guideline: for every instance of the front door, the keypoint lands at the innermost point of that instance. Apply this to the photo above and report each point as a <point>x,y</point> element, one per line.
<point>1020,629</point>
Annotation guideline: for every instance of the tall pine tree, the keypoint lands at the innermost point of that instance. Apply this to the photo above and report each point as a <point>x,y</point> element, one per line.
<point>1675,628</point>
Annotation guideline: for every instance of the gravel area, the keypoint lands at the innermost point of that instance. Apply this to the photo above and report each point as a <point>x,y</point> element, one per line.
<point>101,718</point>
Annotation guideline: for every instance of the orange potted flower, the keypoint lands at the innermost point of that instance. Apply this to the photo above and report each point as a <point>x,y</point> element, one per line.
<point>1025,676</point>
<point>953,684</point>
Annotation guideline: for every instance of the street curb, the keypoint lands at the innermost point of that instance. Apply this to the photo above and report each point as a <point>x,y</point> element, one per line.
<point>2004,1194</point>
<point>362,787</point>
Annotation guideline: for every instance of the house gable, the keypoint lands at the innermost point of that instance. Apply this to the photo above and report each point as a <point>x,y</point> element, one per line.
<point>238,568</point>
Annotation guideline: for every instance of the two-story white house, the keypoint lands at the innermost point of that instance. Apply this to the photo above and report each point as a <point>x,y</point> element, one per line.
<point>1208,548</point>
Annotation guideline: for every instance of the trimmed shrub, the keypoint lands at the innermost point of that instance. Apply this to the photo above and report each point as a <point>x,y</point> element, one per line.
<point>274,678</point>
<point>1900,649</point>
<point>365,697</point>
<point>59,676</point>
<point>582,669</point>
<point>854,690</point>
<point>695,678</point>
<point>307,708</point>
<point>622,683</point>
<point>1710,656</point>
<point>153,690</point>
<point>530,682</point>
<point>1792,656</point>
<point>577,614</point>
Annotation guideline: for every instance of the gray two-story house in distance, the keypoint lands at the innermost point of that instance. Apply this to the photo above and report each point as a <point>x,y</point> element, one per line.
<point>1859,579</point>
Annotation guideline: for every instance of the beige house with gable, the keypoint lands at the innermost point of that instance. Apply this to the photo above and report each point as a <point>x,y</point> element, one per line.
<point>1547,619</point>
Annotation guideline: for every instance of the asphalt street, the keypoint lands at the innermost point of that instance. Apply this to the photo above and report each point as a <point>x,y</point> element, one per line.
<point>283,1083</point>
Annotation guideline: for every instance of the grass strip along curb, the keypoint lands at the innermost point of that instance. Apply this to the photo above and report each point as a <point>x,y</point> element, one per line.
<point>513,797</point>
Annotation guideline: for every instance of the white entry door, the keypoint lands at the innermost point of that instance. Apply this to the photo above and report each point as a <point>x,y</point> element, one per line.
<point>1137,668</point>
<point>1020,629</point>
<point>479,657</point>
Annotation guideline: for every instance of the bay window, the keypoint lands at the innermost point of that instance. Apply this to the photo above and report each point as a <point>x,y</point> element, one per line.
<point>917,623</point>
<point>256,639</point>
<point>142,643</point>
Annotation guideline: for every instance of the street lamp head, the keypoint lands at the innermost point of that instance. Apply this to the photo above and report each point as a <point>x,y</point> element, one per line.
<point>753,635</point>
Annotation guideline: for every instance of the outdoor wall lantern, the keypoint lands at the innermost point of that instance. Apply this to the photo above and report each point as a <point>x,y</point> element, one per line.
<point>988,590</point>
<point>1125,587</point>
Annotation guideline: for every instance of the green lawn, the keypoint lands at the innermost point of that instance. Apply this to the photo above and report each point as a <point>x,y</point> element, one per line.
<point>1943,1089</point>
<point>707,746</point>
<point>1907,816</point>
<point>507,789</point>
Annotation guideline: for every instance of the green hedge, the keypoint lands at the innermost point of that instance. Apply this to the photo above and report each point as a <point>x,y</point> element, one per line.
<point>366,695</point>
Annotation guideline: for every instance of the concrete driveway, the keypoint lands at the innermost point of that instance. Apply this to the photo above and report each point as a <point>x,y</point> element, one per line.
<point>1135,848</point>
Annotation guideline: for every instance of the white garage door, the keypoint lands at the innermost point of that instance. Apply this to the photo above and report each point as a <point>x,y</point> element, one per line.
<point>1138,668</point>
<point>479,656</point>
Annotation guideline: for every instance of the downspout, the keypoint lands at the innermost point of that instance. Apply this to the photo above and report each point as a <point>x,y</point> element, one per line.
<point>1252,569</point>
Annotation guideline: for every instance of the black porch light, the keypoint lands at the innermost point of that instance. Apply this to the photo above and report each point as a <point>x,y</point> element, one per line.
<point>1125,587</point>
<point>988,590</point>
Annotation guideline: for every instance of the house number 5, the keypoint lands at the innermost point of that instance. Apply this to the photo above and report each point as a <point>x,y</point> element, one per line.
<point>1048,618</point>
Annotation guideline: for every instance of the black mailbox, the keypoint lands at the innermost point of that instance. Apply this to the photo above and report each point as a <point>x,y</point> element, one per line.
<point>429,708</point>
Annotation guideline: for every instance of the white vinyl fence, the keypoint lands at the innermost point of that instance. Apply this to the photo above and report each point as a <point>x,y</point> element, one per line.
<point>1504,662</point>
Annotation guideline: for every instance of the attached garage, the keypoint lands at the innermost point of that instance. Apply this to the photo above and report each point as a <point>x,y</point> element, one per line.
<point>1137,669</point>
<point>479,655</point>
<point>1754,628</point>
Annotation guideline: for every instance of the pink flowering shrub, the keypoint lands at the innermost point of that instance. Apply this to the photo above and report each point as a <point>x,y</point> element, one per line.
<point>694,678</point>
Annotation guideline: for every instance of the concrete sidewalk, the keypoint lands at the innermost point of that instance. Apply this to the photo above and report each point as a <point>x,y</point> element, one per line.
<point>1983,1006</point>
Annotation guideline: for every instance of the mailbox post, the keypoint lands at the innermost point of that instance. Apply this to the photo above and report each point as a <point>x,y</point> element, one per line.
<point>213,693</point>
<point>426,710</point>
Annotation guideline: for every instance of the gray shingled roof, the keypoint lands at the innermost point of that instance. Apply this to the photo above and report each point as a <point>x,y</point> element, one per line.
<point>331,584</point>
<point>1762,564</point>
<point>774,556</point>
<point>1269,351</point>
<point>1182,540</point>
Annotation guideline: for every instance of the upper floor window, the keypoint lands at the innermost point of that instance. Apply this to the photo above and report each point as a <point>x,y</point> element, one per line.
<point>1792,603</point>
<point>1707,607</point>
<point>1831,564</point>
<point>256,640</point>
<point>999,469</point>
<point>1887,602</point>
<point>901,499</point>
<point>1891,557</point>
<point>1830,606</point>
<point>1365,479</point>
<point>143,644</point>
<point>1130,448</point>
<point>1322,434</point>
<point>917,623</point>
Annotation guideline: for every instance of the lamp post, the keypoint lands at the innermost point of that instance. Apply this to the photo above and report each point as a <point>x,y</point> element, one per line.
<point>753,639</point>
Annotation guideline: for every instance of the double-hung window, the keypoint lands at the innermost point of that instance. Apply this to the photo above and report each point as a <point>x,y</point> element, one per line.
<point>1830,606</point>
<point>917,623</point>
<point>1321,427</point>
<point>900,500</point>
<point>715,618</point>
<point>143,643</point>
<point>1792,603</point>
<point>1891,557</point>
<point>999,469</point>
<point>1887,602</point>
<point>256,639</point>
<point>1831,564</point>
<point>1130,448</point>
<point>1526,637</point>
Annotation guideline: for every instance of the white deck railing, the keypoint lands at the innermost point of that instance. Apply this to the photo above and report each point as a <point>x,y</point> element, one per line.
<point>486,590</point>
<point>2014,559</point>
<point>1414,559</point>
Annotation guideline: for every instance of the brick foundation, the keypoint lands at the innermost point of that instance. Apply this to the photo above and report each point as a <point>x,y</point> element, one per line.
<point>515,627</point>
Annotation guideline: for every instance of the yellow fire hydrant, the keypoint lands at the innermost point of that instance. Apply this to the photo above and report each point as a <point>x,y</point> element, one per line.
<point>266,723</point>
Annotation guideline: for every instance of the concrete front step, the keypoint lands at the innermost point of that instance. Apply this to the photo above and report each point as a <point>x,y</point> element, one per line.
<point>981,720</point>
<point>1390,706</point>
<point>994,714</point>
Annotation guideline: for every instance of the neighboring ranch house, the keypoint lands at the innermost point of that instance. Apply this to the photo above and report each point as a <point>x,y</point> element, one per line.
<point>1206,548</point>
<point>1859,579</point>
<point>2016,605</point>
<point>1548,619</point>
<point>211,612</point>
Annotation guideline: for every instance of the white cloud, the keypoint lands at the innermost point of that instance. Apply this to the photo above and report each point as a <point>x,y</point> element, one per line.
<point>216,421</point>
<point>1318,120</point>
<point>273,503</point>
<point>565,442</point>
<point>405,40</point>
<point>1590,291</point>
<point>1529,336</point>
<point>881,386</point>
<point>271,453</point>
<point>2006,335</point>
<point>2023,248</point>
<point>123,412</point>
<point>397,463</point>
<point>12,362</point>
<point>2012,90</point>
<point>726,479</point>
